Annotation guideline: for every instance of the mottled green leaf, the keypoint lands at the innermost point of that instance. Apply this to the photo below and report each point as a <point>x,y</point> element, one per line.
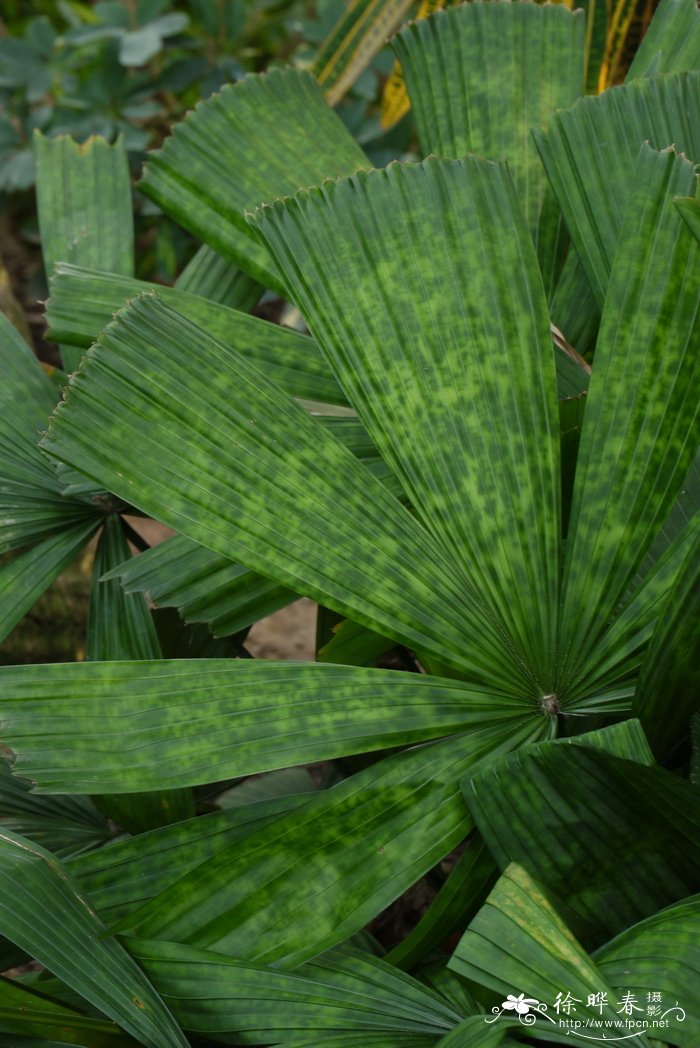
<point>178,726</point>
<point>131,871</point>
<point>666,695</point>
<point>518,944</point>
<point>448,334</point>
<point>66,826</point>
<point>590,152</point>
<point>661,954</point>
<point>228,460</point>
<point>83,301</point>
<point>25,576</point>
<point>480,76</point>
<point>214,167</point>
<point>689,209</point>
<point>460,896</point>
<point>308,881</point>
<point>31,506</point>
<point>204,586</point>
<point>24,1010</point>
<point>84,205</point>
<point>616,839</point>
<point>119,624</point>
<point>640,432</point>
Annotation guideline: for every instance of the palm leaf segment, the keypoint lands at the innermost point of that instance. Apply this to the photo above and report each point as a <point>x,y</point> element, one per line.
<point>421,287</point>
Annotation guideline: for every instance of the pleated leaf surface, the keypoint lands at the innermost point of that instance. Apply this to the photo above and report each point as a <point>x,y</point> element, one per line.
<point>640,431</point>
<point>38,894</point>
<point>26,575</point>
<point>131,871</point>
<point>84,206</point>
<point>180,726</point>
<point>246,144</point>
<point>230,461</point>
<point>83,301</point>
<point>480,76</point>
<point>671,44</point>
<point>341,991</point>
<point>661,953</point>
<point>120,626</point>
<point>210,275</point>
<point>66,826</point>
<point>421,286</point>
<point>202,585</point>
<point>616,839</point>
<point>518,943</point>
<point>590,152</point>
<point>24,1011</point>
<point>308,881</point>
<point>665,697</point>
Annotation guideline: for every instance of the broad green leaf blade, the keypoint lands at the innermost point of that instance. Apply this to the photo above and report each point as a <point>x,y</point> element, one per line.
<point>666,696</point>
<point>616,839</point>
<point>38,895</point>
<point>213,167</point>
<point>480,76</point>
<point>671,44</point>
<point>228,460</point>
<point>82,302</point>
<point>661,954</point>
<point>32,507</point>
<point>120,625</point>
<point>359,34</point>
<point>609,131</point>
<point>84,205</point>
<point>212,276</point>
<point>640,433</point>
<point>460,896</point>
<point>23,1010</point>
<point>131,871</point>
<point>26,575</point>
<point>202,585</point>
<point>308,881</point>
<point>214,995</point>
<point>179,726</point>
<point>420,284</point>
<point>518,944</point>
<point>66,826</point>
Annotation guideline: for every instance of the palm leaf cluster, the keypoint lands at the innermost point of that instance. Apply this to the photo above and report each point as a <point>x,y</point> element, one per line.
<point>523,523</point>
